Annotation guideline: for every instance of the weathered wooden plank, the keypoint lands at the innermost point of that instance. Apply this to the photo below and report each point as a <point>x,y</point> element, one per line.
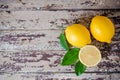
<point>55,76</point>
<point>32,51</point>
<point>58,4</point>
<point>49,61</point>
<point>45,40</point>
<point>115,76</point>
<point>37,20</point>
<point>30,40</point>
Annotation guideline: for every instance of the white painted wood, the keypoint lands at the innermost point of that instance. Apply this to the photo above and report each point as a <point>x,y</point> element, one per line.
<point>58,4</point>
<point>115,76</point>
<point>29,39</point>
<point>49,61</point>
<point>38,20</point>
<point>55,76</point>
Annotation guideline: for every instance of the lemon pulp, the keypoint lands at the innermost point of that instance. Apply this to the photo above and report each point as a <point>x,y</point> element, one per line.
<point>89,55</point>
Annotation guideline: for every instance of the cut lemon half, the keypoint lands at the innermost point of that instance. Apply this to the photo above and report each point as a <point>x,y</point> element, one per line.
<point>89,55</point>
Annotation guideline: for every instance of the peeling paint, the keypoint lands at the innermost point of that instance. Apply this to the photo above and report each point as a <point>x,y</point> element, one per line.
<point>29,38</point>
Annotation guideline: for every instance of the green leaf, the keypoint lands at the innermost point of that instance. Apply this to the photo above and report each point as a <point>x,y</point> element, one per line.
<point>63,41</point>
<point>70,57</point>
<point>79,68</point>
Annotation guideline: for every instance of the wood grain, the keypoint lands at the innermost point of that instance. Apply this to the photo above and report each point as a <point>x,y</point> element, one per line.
<point>56,76</point>
<point>38,20</point>
<point>49,61</point>
<point>29,39</point>
<point>115,76</point>
<point>58,4</point>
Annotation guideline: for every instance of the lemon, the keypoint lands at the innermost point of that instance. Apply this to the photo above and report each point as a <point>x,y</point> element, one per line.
<point>89,55</point>
<point>77,35</point>
<point>102,29</point>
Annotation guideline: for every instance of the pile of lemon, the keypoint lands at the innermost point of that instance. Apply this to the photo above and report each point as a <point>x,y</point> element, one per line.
<point>101,28</point>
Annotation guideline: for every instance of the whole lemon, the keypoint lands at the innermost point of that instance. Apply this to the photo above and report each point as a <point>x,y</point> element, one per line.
<point>102,29</point>
<point>77,35</point>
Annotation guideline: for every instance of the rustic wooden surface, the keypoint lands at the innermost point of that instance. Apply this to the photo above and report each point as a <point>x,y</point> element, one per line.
<point>29,39</point>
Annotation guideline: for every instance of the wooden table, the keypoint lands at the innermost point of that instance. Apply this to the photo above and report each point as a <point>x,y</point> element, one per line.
<point>29,39</point>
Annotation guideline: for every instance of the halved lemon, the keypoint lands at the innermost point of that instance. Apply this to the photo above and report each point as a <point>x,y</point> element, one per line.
<point>89,55</point>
